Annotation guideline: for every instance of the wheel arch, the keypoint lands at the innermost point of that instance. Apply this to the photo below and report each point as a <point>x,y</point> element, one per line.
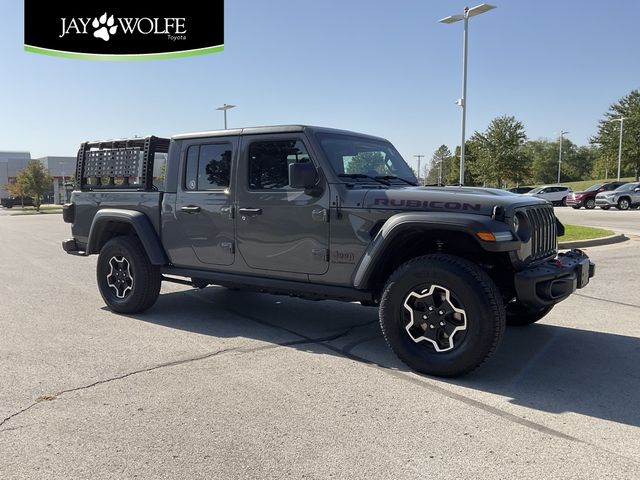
<point>406,236</point>
<point>110,222</point>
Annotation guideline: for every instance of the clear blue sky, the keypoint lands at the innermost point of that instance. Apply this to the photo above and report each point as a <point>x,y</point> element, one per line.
<point>385,68</point>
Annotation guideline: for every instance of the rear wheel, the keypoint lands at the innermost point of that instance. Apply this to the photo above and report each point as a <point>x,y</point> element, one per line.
<point>590,204</point>
<point>442,315</point>
<point>519,316</point>
<point>127,281</point>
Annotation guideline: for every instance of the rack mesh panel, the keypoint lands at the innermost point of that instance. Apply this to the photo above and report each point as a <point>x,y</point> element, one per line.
<point>113,163</point>
<point>117,164</point>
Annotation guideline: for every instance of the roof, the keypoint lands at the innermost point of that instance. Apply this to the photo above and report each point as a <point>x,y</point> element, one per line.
<point>269,129</point>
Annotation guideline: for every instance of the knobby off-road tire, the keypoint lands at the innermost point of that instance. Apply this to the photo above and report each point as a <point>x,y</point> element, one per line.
<point>442,315</point>
<point>518,316</point>
<point>127,281</point>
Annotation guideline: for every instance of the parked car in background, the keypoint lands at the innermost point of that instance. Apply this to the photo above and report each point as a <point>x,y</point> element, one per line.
<point>623,198</point>
<point>520,189</point>
<point>587,198</point>
<point>556,194</point>
<point>10,202</point>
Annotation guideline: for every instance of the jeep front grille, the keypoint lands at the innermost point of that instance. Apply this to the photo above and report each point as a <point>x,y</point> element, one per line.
<point>544,240</point>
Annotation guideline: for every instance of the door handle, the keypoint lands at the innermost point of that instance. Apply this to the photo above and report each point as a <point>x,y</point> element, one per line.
<point>251,211</point>
<point>190,209</point>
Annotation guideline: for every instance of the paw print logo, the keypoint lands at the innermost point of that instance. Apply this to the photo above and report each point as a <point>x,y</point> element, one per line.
<point>104,28</point>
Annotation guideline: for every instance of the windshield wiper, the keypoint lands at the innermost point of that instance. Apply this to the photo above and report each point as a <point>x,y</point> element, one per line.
<point>362,175</point>
<point>393,177</point>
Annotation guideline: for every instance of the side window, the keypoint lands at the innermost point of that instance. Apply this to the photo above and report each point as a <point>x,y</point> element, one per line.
<point>269,163</point>
<point>208,167</point>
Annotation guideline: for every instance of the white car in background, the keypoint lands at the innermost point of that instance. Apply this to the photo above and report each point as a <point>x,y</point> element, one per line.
<point>556,194</point>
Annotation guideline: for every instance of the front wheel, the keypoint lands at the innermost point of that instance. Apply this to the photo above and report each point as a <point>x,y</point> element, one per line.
<point>590,204</point>
<point>519,316</point>
<point>623,204</point>
<point>442,315</point>
<point>127,281</point>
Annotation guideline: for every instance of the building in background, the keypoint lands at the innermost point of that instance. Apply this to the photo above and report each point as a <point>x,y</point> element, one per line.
<point>62,169</point>
<point>10,164</point>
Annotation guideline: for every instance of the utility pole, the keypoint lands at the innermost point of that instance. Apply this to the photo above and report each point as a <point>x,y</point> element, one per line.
<point>562,132</point>
<point>621,120</point>
<point>466,14</point>
<point>419,157</point>
<point>224,108</point>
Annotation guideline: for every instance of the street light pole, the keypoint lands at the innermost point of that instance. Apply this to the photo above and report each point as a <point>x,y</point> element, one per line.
<point>224,108</point>
<point>467,13</point>
<point>418,157</point>
<point>562,132</point>
<point>64,189</point>
<point>463,100</point>
<point>621,120</point>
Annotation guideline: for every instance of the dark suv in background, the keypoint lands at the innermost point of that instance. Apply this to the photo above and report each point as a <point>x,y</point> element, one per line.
<point>587,198</point>
<point>10,202</point>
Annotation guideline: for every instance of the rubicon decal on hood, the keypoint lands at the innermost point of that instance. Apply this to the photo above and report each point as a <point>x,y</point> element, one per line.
<point>430,204</point>
<point>123,30</point>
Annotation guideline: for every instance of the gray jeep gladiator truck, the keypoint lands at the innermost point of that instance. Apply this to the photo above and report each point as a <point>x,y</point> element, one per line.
<point>320,213</point>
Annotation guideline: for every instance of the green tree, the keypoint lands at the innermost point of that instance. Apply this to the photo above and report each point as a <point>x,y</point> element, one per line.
<point>605,166</point>
<point>34,181</point>
<point>497,156</point>
<point>370,163</point>
<point>15,190</point>
<point>439,167</point>
<point>543,155</point>
<point>609,133</point>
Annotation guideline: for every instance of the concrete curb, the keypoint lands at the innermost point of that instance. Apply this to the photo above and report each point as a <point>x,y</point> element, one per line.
<point>594,242</point>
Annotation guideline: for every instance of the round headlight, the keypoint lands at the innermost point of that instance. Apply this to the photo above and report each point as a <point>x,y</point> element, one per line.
<point>521,226</point>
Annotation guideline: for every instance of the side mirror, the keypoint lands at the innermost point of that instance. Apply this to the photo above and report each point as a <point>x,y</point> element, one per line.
<point>637,189</point>
<point>302,175</point>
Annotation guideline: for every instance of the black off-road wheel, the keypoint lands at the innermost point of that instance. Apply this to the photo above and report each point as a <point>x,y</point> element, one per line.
<point>127,281</point>
<point>519,316</point>
<point>442,315</point>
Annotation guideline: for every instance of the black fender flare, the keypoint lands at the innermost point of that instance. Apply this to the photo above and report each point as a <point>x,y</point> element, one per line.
<point>106,217</point>
<point>468,224</point>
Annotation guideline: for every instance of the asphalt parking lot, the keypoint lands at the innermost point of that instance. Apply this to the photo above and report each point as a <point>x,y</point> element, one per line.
<point>627,221</point>
<point>223,384</point>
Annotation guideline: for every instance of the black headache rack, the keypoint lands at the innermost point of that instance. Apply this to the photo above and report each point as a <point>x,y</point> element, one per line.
<point>119,164</point>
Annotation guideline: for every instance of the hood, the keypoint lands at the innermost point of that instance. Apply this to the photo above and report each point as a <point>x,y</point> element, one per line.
<point>474,200</point>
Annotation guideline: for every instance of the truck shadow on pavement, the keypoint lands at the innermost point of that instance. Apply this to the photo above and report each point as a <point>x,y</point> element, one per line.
<point>542,367</point>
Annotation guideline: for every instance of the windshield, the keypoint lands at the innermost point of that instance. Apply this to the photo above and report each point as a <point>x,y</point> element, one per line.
<point>626,187</point>
<point>594,187</point>
<point>353,155</point>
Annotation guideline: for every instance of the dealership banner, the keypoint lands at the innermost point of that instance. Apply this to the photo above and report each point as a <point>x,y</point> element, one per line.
<point>124,30</point>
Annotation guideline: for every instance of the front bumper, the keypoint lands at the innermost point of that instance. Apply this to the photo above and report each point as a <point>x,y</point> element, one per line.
<point>554,280</point>
<point>575,202</point>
